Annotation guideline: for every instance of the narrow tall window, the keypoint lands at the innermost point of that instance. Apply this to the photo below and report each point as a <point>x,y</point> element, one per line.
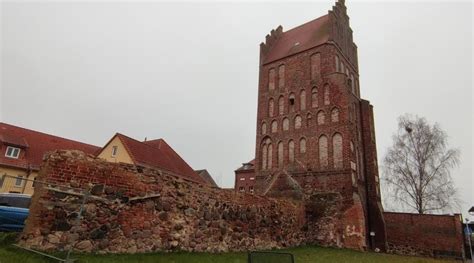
<point>270,156</point>
<point>314,97</point>
<point>323,151</point>
<point>12,152</point>
<point>291,102</point>
<point>326,94</point>
<point>271,79</point>
<point>291,151</point>
<point>264,156</point>
<point>271,106</point>
<point>264,128</point>
<point>321,117</point>
<point>337,63</point>
<point>114,151</point>
<point>280,154</point>
<point>337,150</point>
<point>303,100</point>
<point>335,115</point>
<point>315,66</point>
<point>302,145</point>
<point>281,105</point>
<point>281,76</point>
<point>352,84</point>
<point>286,124</point>
<point>298,121</point>
<point>342,67</point>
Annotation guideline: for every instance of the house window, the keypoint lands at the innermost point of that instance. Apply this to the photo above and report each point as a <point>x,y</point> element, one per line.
<point>114,150</point>
<point>19,181</point>
<point>241,189</point>
<point>251,189</point>
<point>252,178</point>
<point>34,182</point>
<point>242,179</point>
<point>12,152</point>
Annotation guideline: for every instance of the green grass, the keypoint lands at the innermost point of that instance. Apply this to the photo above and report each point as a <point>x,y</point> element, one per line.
<point>11,254</point>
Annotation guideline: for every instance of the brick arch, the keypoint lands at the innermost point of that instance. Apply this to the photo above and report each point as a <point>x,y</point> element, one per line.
<point>291,151</point>
<point>266,147</point>
<point>281,76</point>
<point>263,128</point>
<point>271,79</point>
<point>302,145</point>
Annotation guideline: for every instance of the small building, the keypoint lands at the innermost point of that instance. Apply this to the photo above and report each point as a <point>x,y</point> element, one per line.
<point>207,177</point>
<point>156,154</point>
<point>22,152</point>
<point>245,178</point>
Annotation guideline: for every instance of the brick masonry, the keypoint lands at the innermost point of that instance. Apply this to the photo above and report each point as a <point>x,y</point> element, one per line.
<point>428,235</point>
<point>135,209</point>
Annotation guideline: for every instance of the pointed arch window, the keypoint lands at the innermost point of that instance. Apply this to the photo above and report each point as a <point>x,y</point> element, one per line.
<point>302,145</point>
<point>286,124</point>
<point>291,102</point>
<point>274,126</point>
<point>291,151</point>
<point>315,65</point>
<point>337,150</point>
<point>267,153</point>
<point>281,105</point>
<point>326,94</point>
<point>314,97</point>
<point>271,79</point>
<point>271,107</point>
<point>303,100</point>
<point>298,121</point>
<point>280,154</point>
<point>281,76</point>
<point>264,128</point>
<point>323,151</point>
<point>321,117</point>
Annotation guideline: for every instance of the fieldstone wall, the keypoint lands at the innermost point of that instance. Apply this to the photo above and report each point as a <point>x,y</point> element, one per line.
<point>132,209</point>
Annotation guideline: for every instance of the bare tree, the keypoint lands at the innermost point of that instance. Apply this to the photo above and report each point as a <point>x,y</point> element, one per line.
<point>417,166</point>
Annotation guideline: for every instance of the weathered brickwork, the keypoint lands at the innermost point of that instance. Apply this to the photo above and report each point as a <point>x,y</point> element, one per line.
<point>135,209</point>
<point>319,104</point>
<point>428,235</point>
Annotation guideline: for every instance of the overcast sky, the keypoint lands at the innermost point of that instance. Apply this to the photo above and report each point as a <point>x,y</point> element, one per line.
<point>188,72</point>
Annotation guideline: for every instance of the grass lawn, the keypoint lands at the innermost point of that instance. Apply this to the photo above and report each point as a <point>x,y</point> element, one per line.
<point>11,254</point>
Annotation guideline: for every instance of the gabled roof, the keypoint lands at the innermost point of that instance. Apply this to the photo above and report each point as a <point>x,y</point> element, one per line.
<point>301,38</point>
<point>34,145</point>
<point>157,154</point>
<point>207,177</point>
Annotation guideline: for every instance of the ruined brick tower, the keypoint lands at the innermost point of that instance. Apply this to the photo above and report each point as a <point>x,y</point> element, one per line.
<point>314,132</point>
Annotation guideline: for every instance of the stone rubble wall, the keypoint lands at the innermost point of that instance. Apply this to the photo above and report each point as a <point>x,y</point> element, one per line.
<point>132,209</point>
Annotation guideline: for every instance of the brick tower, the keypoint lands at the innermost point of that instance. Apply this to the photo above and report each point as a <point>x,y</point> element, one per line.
<point>314,133</point>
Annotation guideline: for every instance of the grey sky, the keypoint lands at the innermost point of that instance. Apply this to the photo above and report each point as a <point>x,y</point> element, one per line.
<point>188,72</point>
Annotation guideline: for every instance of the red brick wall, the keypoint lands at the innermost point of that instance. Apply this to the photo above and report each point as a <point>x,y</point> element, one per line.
<point>430,235</point>
<point>245,179</point>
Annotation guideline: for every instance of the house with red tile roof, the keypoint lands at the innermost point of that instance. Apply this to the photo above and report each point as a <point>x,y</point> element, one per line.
<point>21,154</point>
<point>156,154</point>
